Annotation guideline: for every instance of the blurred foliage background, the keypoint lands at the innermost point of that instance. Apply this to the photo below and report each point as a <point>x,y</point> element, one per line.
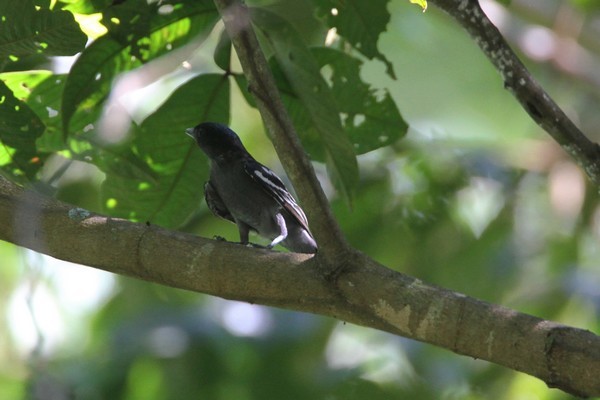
<point>475,198</point>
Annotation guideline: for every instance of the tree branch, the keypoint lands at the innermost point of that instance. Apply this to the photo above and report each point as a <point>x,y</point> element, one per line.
<point>517,79</point>
<point>366,294</point>
<point>332,244</point>
<point>371,295</point>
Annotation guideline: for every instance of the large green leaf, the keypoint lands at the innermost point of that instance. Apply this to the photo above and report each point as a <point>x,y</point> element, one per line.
<point>19,128</point>
<point>370,118</point>
<point>302,71</point>
<point>359,22</point>
<point>138,33</point>
<point>26,30</point>
<point>178,166</point>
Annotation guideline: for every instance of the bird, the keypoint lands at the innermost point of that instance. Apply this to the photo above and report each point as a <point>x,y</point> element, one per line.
<point>249,194</point>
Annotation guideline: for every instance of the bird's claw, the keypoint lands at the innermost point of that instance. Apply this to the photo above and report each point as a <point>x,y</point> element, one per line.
<point>256,246</point>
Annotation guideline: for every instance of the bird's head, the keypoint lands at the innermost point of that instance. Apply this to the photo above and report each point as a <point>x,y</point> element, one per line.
<point>216,140</point>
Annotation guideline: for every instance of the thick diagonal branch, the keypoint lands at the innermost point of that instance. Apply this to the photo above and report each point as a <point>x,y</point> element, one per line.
<point>332,245</point>
<point>369,294</point>
<point>517,79</point>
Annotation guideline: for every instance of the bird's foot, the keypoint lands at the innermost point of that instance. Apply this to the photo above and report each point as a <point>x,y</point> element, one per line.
<point>257,246</point>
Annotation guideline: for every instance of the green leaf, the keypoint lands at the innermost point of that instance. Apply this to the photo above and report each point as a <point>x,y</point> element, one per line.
<point>22,83</point>
<point>360,22</point>
<point>222,54</point>
<point>26,30</point>
<point>135,37</point>
<point>302,71</point>
<point>179,167</point>
<point>371,119</point>
<point>304,124</point>
<point>42,91</point>
<point>19,128</point>
<point>242,84</point>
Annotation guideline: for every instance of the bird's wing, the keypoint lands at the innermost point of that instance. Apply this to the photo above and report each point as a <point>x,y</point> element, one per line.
<point>275,188</point>
<point>215,203</point>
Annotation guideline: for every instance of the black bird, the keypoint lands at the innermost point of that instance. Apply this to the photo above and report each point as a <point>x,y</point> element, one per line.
<point>247,193</point>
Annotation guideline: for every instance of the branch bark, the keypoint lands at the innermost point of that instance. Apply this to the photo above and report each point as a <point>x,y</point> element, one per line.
<point>517,80</point>
<point>366,294</point>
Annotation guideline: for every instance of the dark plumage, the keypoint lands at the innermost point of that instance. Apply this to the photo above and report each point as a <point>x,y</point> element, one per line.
<point>245,192</point>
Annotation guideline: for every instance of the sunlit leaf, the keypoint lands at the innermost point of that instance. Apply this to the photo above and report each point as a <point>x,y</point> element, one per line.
<point>42,91</point>
<point>26,30</point>
<point>422,3</point>
<point>19,128</point>
<point>22,83</point>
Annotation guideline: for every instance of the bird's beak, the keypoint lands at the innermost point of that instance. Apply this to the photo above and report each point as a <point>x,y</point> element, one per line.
<point>189,132</point>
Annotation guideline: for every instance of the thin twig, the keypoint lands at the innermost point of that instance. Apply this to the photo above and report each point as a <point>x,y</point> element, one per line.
<point>517,79</point>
